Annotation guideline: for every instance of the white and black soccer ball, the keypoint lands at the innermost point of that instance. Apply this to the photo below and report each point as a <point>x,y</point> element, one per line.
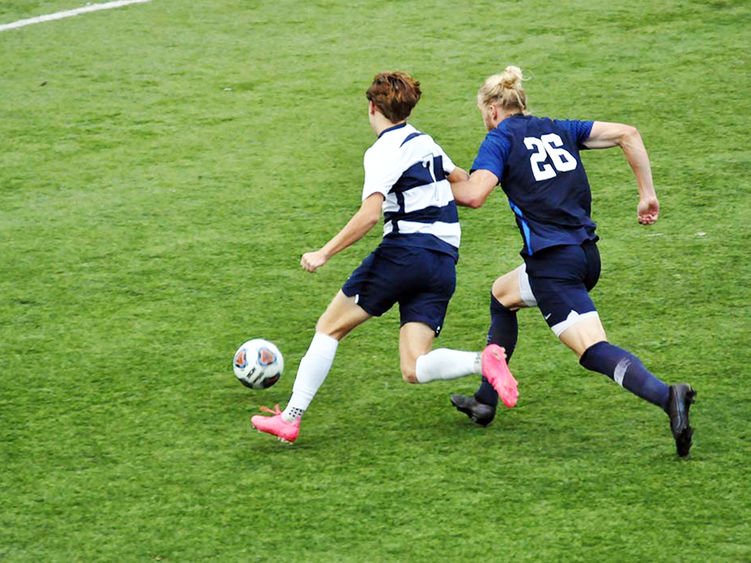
<point>258,364</point>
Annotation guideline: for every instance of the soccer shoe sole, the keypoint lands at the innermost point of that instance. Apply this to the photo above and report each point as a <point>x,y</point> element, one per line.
<point>279,438</point>
<point>496,371</point>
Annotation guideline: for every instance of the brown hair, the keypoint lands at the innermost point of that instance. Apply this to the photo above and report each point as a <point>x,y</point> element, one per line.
<point>504,89</point>
<point>394,94</point>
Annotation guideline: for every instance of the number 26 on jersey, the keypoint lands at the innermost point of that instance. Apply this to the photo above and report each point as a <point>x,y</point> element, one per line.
<point>549,156</point>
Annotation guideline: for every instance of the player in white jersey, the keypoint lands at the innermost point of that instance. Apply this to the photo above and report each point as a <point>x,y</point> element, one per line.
<point>407,177</point>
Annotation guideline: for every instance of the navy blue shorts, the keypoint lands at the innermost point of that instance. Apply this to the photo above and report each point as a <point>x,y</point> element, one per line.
<point>422,281</point>
<point>560,278</point>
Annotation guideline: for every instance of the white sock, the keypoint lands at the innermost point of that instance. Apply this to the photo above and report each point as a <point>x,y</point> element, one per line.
<point>443,363</point>
<point>314,367</point>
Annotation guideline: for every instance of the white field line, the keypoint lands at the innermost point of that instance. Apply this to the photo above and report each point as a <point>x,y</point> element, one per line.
<point>70,13</point>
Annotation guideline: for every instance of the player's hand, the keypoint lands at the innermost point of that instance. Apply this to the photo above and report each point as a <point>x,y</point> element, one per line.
<point>648,210</point>
<point>311,261</point>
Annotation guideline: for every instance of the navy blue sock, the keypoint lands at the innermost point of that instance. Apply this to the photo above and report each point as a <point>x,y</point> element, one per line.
<point>627,370</point>
<point>503,331</point>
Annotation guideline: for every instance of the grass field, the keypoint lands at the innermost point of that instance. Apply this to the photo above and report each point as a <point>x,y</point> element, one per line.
<point>162,168</point>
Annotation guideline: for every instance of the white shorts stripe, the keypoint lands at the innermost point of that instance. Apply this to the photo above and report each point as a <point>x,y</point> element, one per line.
<point>525,290</point>
<point>571,320</point>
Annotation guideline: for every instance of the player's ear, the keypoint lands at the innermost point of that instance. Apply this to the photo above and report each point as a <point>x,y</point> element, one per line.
<point>371,107</point>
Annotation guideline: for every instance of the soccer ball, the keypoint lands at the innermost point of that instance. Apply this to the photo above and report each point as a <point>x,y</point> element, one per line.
<point>258,364</point>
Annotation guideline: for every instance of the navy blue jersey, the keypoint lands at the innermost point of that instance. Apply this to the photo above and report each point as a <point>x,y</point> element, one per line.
<point>538,164</point>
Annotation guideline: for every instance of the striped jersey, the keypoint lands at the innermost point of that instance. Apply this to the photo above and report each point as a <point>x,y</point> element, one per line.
<point>410,169</point>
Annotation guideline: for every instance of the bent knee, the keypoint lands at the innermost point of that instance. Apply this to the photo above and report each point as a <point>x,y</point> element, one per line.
<point>325,328</point>
<point>409,374</point>
<point>507,290</point>
<point>331,328</point>
<point>584,333</point>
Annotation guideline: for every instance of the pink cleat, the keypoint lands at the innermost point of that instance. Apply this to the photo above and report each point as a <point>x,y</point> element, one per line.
<point>275,425</point>
<point>496,371</point>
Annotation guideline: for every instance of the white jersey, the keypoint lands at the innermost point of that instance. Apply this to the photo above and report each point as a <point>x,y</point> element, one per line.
<point>409,168</point>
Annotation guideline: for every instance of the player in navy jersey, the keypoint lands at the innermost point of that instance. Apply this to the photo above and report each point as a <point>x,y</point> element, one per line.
<point>537,164</point>
<point>408,178</point>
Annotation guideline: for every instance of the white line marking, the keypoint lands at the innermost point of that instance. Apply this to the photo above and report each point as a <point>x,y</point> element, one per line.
<point>70,13</point>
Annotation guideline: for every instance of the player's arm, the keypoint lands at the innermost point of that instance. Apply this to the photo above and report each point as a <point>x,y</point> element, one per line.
<point>457,175</point>
<point>605,135</point>
<point>473,191</point>
<point>356,228</point>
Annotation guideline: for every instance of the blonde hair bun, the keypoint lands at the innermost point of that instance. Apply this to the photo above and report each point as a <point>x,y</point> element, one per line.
<point>511,77</point>
<point>504,89</point>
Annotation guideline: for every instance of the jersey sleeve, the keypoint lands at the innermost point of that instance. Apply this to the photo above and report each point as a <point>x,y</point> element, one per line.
<point>448,164</point>
<point>579,130</point>
<point>381,173</point>
<point>492,154</point>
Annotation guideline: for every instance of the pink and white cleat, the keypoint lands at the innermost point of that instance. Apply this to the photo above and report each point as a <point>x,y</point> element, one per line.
<point>495,369</point>
<point>275,425</point>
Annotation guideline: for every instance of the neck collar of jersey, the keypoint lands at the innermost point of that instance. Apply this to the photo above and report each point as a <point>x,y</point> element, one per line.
<point>520,114</point>
<point>399,126</point>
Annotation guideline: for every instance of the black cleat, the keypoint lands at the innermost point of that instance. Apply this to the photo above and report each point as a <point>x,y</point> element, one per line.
<point>479,412</point>
<point>680,398</point>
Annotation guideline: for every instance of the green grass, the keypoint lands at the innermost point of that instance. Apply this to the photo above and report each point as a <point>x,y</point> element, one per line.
<point>163,167</point>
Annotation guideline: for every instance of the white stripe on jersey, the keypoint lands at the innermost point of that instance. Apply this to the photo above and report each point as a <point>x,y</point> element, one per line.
<point>438,194</point>
<point>448,232</point>
<point>388,159</point>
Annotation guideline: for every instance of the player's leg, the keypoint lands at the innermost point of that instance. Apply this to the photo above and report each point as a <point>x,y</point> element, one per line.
<point>583,334</point>
<point>421,365</point>
<point>339,319</point>
<point>561,279</point>
<point>510,292</point>
<point>366,293</point>
<point>587,339</point>
<point>427,287</point>
<point>569,311</point>
<point>369,291</point>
